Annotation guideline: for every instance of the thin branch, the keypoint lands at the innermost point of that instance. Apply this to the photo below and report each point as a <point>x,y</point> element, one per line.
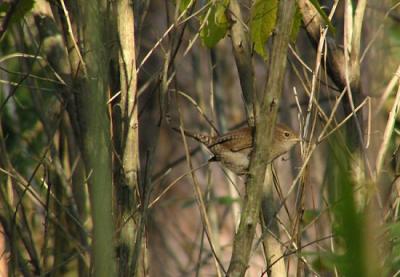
<point>388,132</point>
<point>71,33</point>
<point>199,198</point>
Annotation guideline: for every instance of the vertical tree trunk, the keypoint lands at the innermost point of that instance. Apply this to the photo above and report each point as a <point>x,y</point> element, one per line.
<point>265,124</point>
<point>95,129</point>
<point>128,146</point>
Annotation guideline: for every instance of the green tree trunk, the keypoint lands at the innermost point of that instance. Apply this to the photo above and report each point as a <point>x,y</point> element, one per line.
<point>95,130</point>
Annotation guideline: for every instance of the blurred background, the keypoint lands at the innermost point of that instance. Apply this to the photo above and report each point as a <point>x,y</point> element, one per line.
<point>335,197</point>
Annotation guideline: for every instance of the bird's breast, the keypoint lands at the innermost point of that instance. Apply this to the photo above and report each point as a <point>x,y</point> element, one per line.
<point>238,161</point>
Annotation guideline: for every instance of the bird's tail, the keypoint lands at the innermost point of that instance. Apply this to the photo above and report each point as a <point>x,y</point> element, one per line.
<point>204,139</point>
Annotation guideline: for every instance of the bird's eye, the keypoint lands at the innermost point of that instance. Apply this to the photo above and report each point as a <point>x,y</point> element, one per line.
<point>286,134</point>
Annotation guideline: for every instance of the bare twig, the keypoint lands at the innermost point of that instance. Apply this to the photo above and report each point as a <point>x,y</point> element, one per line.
<point>199,198</point>
<point>388,90</point>
<point>199,109</point>
<point>388,133</point>
<point>71,33</point>
<point>173,183</point>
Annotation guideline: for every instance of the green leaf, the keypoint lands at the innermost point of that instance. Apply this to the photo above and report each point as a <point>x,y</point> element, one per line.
<point>188,203</point>
<point>4,8</point>
<point>296,25</point>
<point>394,238</point>
<point>323,15</point>
<point>216,25</point>
<point>310,215</point>
<point>349,217</point>
<point>226,200</point>
<point>21,9</point>
<point>262,23</point>
<point>323,261</point>
<point>185,4</point>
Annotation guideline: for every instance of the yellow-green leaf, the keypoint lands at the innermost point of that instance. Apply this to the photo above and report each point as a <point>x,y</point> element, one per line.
<point>216,25</point>
<point>296,25</point>
<point>262,23</point>
<point>185,4</point>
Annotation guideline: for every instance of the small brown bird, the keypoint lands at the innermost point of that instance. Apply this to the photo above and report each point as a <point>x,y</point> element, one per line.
<point>233,149</point>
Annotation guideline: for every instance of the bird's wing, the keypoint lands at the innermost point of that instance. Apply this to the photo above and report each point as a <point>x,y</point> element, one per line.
<point>236,140</point>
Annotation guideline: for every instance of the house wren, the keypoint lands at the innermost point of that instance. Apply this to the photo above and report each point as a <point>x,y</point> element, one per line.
<point>233,149</point>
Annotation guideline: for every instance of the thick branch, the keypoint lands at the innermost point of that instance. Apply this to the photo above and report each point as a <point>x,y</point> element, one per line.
<point>127,187</point>
<point>336,60</point>
<point>265,125</point>
<point>242,53</point>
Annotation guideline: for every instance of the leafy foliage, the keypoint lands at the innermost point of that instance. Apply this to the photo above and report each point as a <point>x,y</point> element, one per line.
<point>227,200</point>
<point>348,219</point>
<point>23,7</point>
<point>215,23</point>
<point>185,4</point>
<point>394,236</point>
<point>262,23</point>
<point>296,25</point>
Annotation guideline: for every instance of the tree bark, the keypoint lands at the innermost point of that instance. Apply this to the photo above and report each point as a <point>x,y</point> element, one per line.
<point>95,129</point>
<point>265,124</point>
<point>127,187</point>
